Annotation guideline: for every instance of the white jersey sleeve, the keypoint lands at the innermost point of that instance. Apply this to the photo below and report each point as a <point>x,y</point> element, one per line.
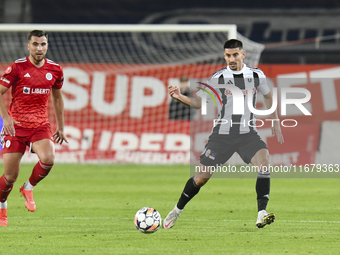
<point>263,87</point>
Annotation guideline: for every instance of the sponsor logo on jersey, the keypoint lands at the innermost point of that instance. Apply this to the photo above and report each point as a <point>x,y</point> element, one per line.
<point>229,82</point>
<point>40,91</point>
<point>5,80</point>
<point>227,92</point>
<point>27,75</point>
<point>8,70</point>
<point>26,90</point>
<point>49,76</point>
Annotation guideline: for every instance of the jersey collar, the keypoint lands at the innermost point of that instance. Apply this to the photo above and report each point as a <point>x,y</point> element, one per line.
<point>237,72</point>
<point>29,61</point>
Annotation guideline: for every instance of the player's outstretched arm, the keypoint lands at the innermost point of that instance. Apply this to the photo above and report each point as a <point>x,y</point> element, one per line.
<point>194,102</point>
<point>8,122</point>
<point>276,129</point>
<point>58,104</point>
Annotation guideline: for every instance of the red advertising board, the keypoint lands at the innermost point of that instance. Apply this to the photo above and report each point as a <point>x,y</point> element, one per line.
<point>119,113</point>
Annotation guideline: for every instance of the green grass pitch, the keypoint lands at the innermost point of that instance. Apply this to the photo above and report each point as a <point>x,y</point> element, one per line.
<point>89,209</point>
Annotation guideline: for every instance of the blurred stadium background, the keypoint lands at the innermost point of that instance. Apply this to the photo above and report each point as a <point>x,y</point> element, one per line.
<point>116,105</point>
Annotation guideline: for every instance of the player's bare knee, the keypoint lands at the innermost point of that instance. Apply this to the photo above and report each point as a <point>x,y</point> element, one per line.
<point>47,159</point>
<point>11,177</point>
<point>261,160</point>
<point>263,164</point>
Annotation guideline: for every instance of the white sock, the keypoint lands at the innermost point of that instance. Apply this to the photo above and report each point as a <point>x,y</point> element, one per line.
<point>28,186</point>
<point>3,205</point>
<point>177,210</point>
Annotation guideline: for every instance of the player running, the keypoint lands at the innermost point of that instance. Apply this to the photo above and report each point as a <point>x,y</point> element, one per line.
<point>226,139</point>
<point>32,79</point>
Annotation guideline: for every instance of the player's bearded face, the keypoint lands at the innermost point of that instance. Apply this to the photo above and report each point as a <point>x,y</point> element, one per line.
<point>37,47</point>
<point>234,58</point>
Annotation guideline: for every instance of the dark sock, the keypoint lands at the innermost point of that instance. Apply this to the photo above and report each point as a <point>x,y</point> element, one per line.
<point>262,190</point>
<point>190,190</point>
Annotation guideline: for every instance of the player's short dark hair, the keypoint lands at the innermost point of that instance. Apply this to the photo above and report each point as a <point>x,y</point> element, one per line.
<point>232,44</point>
<point>37,33</point>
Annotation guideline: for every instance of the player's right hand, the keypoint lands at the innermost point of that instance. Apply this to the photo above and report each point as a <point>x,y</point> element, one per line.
<point>174,91</point>
<point>9,126</point>
<point>276,130</point>
<point>59,136</point>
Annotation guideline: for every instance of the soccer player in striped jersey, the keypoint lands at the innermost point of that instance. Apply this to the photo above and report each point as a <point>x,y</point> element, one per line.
<point>233,134</point>
<point>26,123</point>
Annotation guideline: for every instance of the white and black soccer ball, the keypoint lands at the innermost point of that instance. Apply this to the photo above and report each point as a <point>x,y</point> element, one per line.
<point>148,220</point>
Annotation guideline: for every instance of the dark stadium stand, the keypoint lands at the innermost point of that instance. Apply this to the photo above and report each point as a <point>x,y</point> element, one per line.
<point>273,23</point>
<point>133,11</point>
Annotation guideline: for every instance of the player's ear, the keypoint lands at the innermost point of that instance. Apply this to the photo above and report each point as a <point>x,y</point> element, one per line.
<point>225,55</point>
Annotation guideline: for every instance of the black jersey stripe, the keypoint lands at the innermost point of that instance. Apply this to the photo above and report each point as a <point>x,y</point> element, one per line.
<point>239,81</point>
<point>216,129</point>
<point>236,118</point>
<point>221,79</point>
<point>256,85</point>
<point>256,80</point>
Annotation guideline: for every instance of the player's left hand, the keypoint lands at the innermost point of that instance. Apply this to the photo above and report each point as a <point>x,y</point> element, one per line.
<point>276,130</point>
<point>59,137</point>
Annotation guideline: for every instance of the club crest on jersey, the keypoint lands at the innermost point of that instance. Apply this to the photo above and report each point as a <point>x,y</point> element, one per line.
<point>27,90</point>
<point>49,76</point>
<point>8,70</point>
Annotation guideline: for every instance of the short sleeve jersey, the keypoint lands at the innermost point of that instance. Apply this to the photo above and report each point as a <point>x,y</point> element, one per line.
<point>31,89</point>
<point>247,78</point>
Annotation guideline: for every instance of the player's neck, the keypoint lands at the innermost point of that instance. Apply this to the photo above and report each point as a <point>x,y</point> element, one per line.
<point>239,69</point>
<point>36,63</point>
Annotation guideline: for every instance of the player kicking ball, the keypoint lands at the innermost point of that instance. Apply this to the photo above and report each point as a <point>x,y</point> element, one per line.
<point>26,123</point>
<point>229,138</point>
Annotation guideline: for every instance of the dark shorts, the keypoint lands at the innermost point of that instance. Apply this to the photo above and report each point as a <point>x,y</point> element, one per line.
<point>220,148</point>
<point>24,137</point>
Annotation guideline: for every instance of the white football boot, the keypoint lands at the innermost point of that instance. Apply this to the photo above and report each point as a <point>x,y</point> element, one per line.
<point>264,218</point>
<point>170,219</point>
